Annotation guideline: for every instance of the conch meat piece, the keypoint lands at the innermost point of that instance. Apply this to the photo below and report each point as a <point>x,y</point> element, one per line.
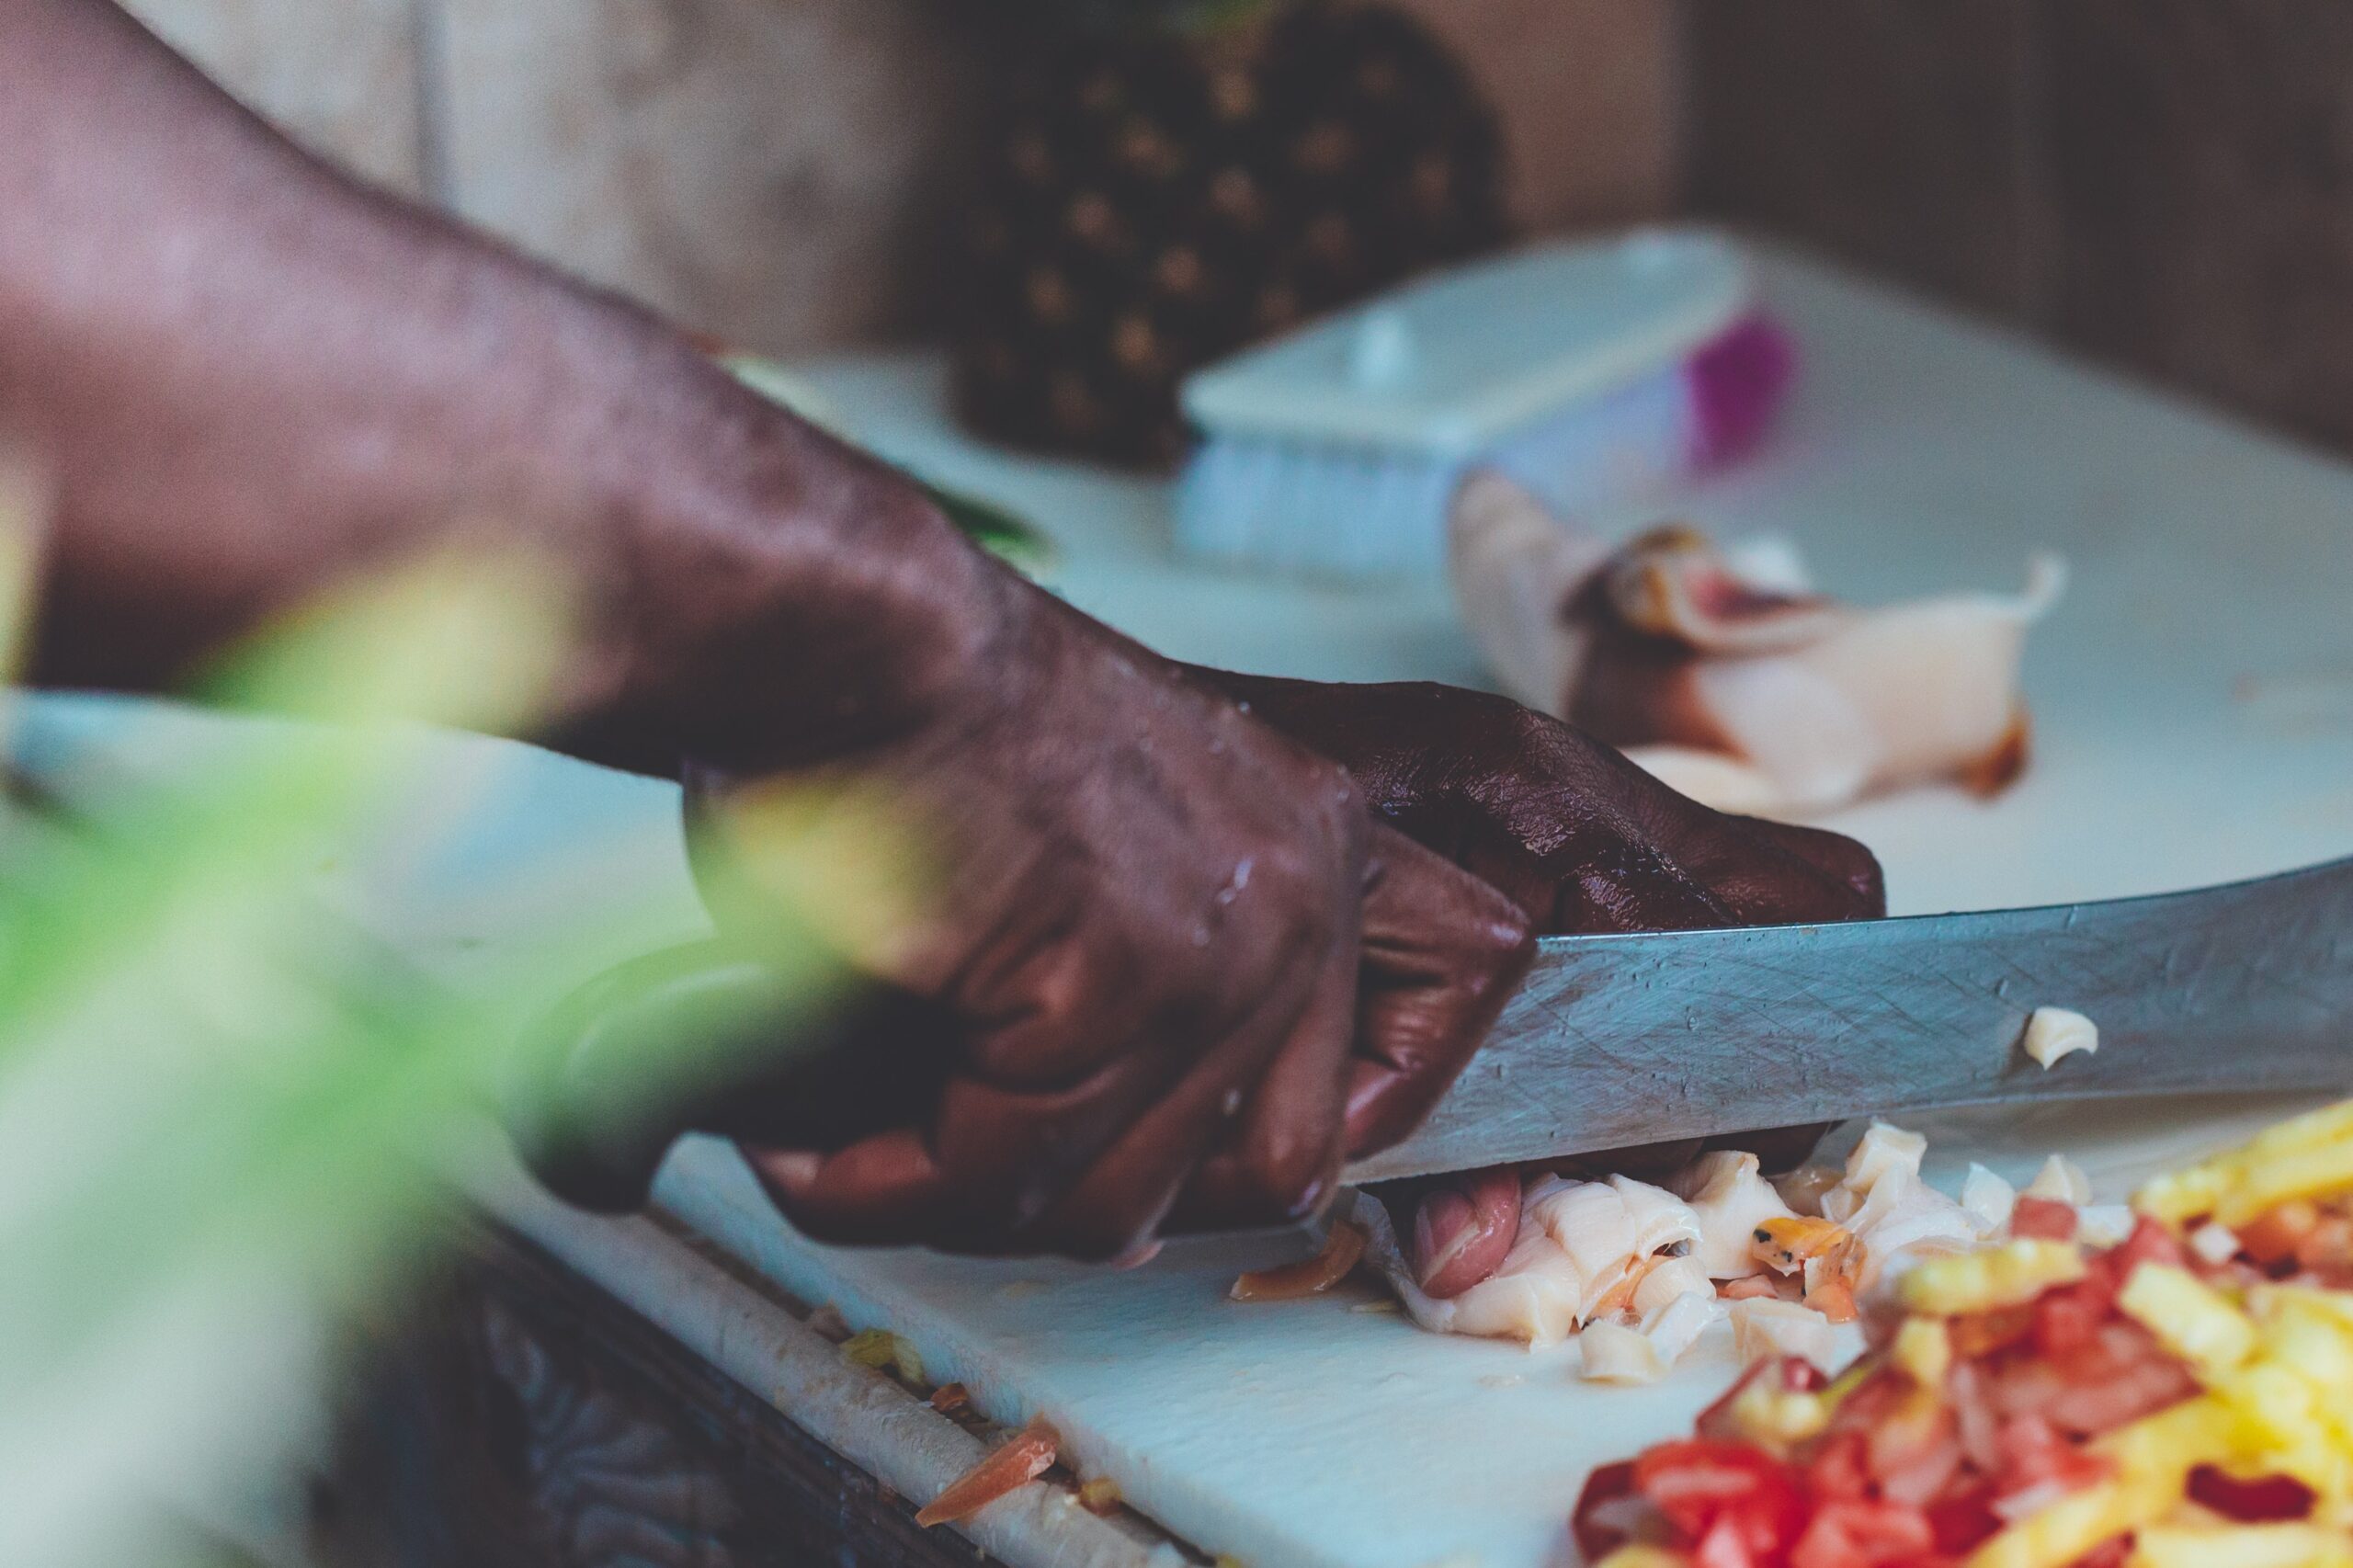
<point>1584,1251</point>
<point>1728,1193</point>
<point>1725,675</point>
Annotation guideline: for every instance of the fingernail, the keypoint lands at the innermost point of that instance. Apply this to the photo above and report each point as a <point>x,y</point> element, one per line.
<point>1139,1255</point>
<point>790,1169</point>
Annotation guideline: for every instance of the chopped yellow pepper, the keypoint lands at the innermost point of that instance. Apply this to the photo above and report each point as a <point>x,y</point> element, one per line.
<point>2190,1318</point>
<point>1923,1349</point>
<point>2056,1535</point>
<point>1643,1557</point>
<point>2240,1546</point>
<point>2311,1157</point>
<point>2007,1275</point>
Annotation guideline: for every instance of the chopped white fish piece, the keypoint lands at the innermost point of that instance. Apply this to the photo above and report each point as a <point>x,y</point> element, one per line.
<point>1513,567</point>
<point>2214,1242</point>
<point>1804,1188</point>
<point>2053,1033</point>
<point>2062,1181</point>
<point>1764,1327</point>
<point>1616,1354</point>
<point>1603,1227</point>
<point>1902,1219</point>
<point>1679,650</point>
<point>1585,1220</point>
<point>2104,1224</point>
<point>1660,1218</point>
<point>1671,1279</point>
<point>1537,1296</point>
<point>1988,1199</point>
<point>1729,1196</point>
<point>1884,1148</point>
<point>1674,1328</point>
<point>1581,1245</point>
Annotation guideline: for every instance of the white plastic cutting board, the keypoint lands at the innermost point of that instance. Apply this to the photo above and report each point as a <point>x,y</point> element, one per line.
<point>2195,708</point>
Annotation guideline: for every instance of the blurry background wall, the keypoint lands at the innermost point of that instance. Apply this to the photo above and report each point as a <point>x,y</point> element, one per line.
<point>2166,184</point>
<point>775,170</point>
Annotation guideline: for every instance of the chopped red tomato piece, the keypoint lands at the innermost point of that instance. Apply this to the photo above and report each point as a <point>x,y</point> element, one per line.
<point>2274,1237</point>
<point>2067,1319</point>
<point>1862,1535</point>
<point>1963,1522</point>
<point>1596,1537</point>
<point>2266,1499</point>
<point>1726,1493</point>
<point>1981,1333</point>
<point>1842,1469</point>
<point>2149,1243</point>
<point>2109,1554</point>
<point>2044,1219</point>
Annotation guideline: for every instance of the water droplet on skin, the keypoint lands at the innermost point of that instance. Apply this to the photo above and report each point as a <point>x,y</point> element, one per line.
<point>1201,935</point>
<point>1232,1104</point>
<point>1241,707</point>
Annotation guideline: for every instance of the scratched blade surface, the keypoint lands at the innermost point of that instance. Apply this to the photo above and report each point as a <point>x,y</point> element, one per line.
<point>1616,1041</point>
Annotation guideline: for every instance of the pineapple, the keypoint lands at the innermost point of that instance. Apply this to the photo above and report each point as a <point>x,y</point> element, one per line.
<point>1168,183</point>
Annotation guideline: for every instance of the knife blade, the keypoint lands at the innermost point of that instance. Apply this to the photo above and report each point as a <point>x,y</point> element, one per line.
<point>1624,1039</point>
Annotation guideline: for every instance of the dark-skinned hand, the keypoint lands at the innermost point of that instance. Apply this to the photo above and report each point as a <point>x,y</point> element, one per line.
<point>1584,842</point>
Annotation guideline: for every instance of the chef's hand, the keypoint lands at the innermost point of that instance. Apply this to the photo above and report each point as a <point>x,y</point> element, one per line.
<point>1172,952</point>
<point>1579,837</point>
<point>1584,842</point>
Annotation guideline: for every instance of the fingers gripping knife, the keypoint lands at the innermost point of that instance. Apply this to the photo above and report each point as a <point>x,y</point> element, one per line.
<point>1624,1039</point>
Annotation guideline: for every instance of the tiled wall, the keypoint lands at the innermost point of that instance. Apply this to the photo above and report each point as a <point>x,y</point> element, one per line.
<point>2164,184</point>
<point>775,170</point>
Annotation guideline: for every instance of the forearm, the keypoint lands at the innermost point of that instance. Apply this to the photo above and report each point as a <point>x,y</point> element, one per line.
<point>242,378</point>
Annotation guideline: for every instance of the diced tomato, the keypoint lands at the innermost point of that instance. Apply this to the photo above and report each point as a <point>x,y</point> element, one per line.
<point>1981,1333</point>
<point>2109,1554</point>
<point>1711,1490</point>
<point>2035,1454</point>
<point>1924,1470</point>
<point>1724,1546</point>
<point>1862,1535</point>
<point>2329,1249</point>
<point>2261,1500</point>
<point>2276,1236</point>
<point>2044,1219</point>
<point>1799,1375</point>
<point>1596,1539</point>
<point>2149,1243</point>
<point>1962,1522</point>
<point>1841,1469</point>
<point>2066,1319</point>
<point>2122,1375</point>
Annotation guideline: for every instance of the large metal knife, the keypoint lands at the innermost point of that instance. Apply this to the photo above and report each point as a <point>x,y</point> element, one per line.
<point>1619,1041</point>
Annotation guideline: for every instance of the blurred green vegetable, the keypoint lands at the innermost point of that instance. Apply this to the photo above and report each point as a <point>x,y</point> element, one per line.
<point>220,1104</point>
